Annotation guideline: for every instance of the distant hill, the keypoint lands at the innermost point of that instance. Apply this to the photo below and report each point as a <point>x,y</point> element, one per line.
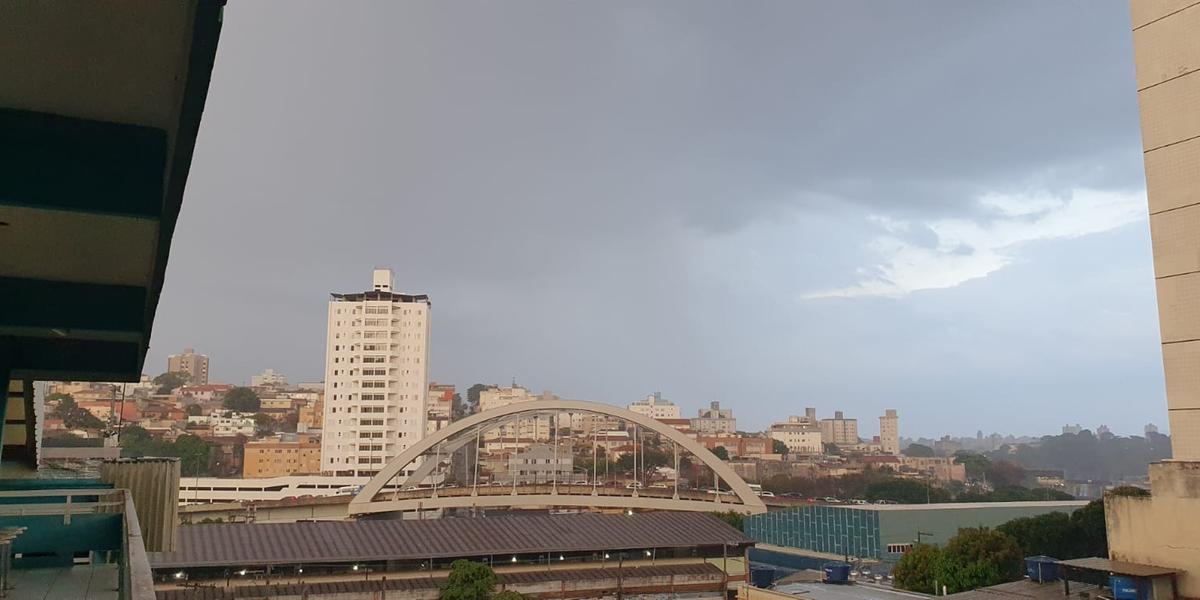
<point>1084,455</point>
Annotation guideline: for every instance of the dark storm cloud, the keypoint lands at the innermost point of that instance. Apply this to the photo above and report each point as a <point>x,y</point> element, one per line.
<point>609,198</point>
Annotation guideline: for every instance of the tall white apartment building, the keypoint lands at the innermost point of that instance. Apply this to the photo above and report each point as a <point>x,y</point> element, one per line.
<point>376,377</point>
<point>525,430</point>
<point>655,407</point>
<point>889,432</point>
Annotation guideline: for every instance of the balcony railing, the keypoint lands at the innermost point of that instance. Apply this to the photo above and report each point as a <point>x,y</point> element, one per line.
<point>61,524</point>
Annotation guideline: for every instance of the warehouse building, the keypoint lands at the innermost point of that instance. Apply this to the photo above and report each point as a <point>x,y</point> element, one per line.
<point>884,531</point>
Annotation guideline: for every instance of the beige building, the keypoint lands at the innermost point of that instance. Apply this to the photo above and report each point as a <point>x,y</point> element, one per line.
<point>376,377</point>
<point>195,365</point>
<point>715,419</point>
<point>1163,529</point>
<point>839,430</point>
<point>285,454</point>
<point>312,414</point>
<point>533,428</point>
<point>656,407</point>
<point>889,432</point>
<point>802,435</point>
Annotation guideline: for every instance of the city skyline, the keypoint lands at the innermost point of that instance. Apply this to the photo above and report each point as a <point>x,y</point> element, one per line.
<point>689,245</point>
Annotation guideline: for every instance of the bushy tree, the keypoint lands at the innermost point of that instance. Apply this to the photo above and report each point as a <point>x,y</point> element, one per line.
<point>721,453</point>
<point>1051,534</point>
<point>169,382</point>
<point>918,450</point>
<point>1004,474</point>
<point>469,580</point>
<point>976,464</point>
<point>915,571</point>
<point>778,447</point>
<point>73,417</point>
<point>242,399</point>
<point>193,410</point>
<point>977,557</point>
<point>906,491</point>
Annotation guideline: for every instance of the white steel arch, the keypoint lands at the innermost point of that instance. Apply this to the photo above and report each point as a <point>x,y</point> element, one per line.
<point>364,501</point>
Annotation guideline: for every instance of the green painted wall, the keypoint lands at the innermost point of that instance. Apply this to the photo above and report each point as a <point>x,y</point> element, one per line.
<point>47,542</point>
<point>900,526</point>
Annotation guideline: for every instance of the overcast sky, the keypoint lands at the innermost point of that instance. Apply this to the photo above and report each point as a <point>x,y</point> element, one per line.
<point>936,207</point>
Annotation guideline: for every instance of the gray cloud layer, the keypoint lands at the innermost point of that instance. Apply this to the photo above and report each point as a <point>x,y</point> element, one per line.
<point>609,198</point>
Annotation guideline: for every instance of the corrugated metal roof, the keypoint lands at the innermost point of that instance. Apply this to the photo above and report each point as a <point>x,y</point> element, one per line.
<point>353,541</point>
<point>423,583</point>
<point>1118,567</point>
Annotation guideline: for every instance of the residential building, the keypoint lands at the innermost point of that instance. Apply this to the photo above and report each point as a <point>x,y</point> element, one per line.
<point>439,407</point>
<point>1159,530</point>
<point>737,445</point>
<point>226,423</point>
<point>1072,429</point>
<point>285,454</point>
<point>535,428</point>
<point>889,432</point>
<point>681,425</point>
<point>715,419</point>
<point>541,463</point>
<point>376,376</point>
<point>268,378</point>
<point>839,430</point>
<point>311,414</point>
<point>1149,429</point>
<point>940,468</point>
<point>194,365</point>
<point>655,407</point>
<point>801,435</point>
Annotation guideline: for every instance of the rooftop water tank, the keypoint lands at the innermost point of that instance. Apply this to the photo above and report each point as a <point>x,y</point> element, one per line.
<point>1042,569</point>
<point>837,572</point>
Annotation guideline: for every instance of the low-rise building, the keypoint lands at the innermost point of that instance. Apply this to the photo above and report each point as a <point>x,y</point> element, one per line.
<point>439,406</point>
<point>655,407</point>
<point>311,414</point>
<point>203,394</point>
<point>285,454</point>
<point>536,428</point>
<point>715,419</point>
<point>541,463</point>
<point>801,435</point>
<point>226,423</point>
<point>737,445</point>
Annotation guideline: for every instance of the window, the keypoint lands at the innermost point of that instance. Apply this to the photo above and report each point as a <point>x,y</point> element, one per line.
<point>374,359</point>
<point>374,384</point>
<point>372,397</point>
<point>378,310</point>
<point>899,548</point>
<point>371,422</point>
<point>374,371</point>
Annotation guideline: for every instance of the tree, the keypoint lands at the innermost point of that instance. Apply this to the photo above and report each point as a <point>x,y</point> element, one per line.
<point>469,580</point>
<point>242,399</point>
<point>721,453</point>
<point>977,557</point>
<point>976,464</point>
<point>265,424</point>
<point>193,410</point>
<point>169,382</point>
<point>906,491</point>
<point>831,449</point>
<point>918,450</point>
<point>1089,529</point>
<point>132,435</point>
<point>778,447</point>
<point>193,454</point>
<point>915,571</point>
<point>73,417</point>
<point>735,519</point>
<point>1004,474</point>
<point>1051,534</point>
<point>473,396</point>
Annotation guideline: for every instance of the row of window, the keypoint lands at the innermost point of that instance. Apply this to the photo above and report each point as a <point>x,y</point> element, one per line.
<point>377,309</point>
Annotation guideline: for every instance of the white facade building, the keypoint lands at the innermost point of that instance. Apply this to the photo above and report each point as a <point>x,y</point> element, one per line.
<point>655,407</point>
<point>889,432</point>
<point>839,430</point>
<point>801,435</point>
<point>376,377</point>
<point>268,377</point>
<point>226,423</point>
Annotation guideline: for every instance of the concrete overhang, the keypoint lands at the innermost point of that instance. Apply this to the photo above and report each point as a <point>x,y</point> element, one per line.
<point>100,104</point>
